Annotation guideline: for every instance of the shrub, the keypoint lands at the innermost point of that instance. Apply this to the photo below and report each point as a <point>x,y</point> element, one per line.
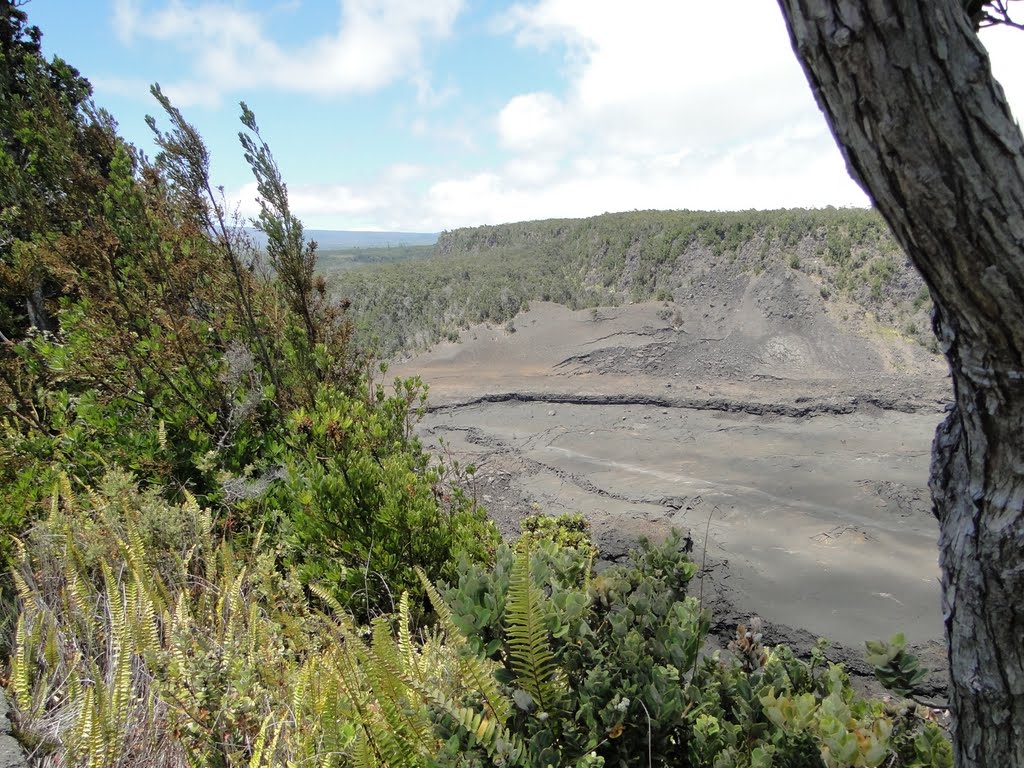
<point>622,664</point>
<point>215,658</point>
<point>363,507</point>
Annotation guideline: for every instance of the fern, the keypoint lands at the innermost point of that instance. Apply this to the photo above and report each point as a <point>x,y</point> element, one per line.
<point>484,728</point>
<point>530,654</point>
<point>410,659</point>
<point>122,642</point>
<point>216,658</point>
<point>407,728</point>
<point>477,671</point>
<point>146,625</point>
<point>87,730</point>
<point>22,664</point>
<point>261,748</point>
<point>70,502</point>
<point>328,597</point>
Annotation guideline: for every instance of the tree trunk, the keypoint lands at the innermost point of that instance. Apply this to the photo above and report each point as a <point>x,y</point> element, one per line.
<point>908,92</point>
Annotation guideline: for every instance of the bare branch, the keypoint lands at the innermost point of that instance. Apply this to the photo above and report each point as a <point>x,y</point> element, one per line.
<point>992,13</point>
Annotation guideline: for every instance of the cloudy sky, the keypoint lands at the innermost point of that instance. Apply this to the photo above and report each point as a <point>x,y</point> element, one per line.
<point>423,115</point>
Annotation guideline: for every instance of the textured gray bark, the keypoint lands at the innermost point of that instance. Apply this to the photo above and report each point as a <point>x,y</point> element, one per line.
<point>907,89</point>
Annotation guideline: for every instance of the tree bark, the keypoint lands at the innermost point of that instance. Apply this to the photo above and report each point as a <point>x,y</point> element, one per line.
<point>907,89</point>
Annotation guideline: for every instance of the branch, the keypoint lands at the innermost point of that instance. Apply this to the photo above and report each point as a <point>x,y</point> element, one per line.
<point>995,13</point>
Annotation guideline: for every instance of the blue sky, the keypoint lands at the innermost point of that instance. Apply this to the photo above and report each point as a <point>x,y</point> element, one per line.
<point>424,115</point>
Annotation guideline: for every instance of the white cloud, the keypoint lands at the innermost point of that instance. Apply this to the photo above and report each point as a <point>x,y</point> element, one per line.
<point>658,75</point>
<point>385,203</point>
<point>532,170</point>
<point>125,19</point>
<point>663,106</point>
<point>376,42</point>
<point>532,121</point>
<point>787,171</point>
<point>758,175</point>
<point>307,201</point>
<point>1007,56</point>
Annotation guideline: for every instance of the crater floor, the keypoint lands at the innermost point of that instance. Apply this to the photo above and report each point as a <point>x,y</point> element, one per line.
<point>809,483</point>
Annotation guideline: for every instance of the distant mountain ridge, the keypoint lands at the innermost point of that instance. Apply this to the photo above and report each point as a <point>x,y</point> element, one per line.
<point>329,239</point>
<point>793,264</point>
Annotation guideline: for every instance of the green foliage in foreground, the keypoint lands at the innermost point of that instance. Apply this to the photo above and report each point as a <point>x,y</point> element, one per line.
<point>363,505</point>
<point>145,640</point>
<point>488,274</point>
<point>895,667</point>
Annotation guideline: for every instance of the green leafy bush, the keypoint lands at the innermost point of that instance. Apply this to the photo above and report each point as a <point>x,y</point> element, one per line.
<point>142,640</point>
<point>895,667</point>
<point>363,507</point>
<point>625,681</point>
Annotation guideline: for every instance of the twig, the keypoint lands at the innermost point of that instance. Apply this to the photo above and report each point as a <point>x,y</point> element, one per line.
<point>1001,17</point>
<point>366,575</point>
<point>700,597</point>
<point>650,746</point>
<point>704,559</point>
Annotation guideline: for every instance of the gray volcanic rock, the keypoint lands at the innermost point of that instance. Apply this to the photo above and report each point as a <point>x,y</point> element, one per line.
<point>11,753</point>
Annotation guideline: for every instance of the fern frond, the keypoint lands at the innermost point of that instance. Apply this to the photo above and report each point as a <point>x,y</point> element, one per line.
<point>257,542</point>
<point>385,648</point>
<point>273,744</point>
<point>145,613</point>
<point>51,650</point>
<point>55,500</point>
<point>118,691</point>
<point>393,696</point>
<point>22,664</point>
<point>364,756</point>
<point>21,587</point>
<point>80,600</point>
<point>86,727</point>
<point>134,549</point>
<point>390,715</point>
<point>179,625</point>
<point>329,599</point>
<point>478,672</point>
<point>115,603</point>
<point>161,435</point>
<point>97,502</point>
<point>484,728</point>
<point>205,519</point>
<point>444,613</point>
<point>260,745</point>
<point>70,502</point>
<point>20,553</point>
<point>405,648</point>
<point>530,654</point>
<point>302,691</point>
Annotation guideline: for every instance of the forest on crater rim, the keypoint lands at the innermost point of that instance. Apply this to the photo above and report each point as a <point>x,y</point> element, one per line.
<point>489,274</point>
